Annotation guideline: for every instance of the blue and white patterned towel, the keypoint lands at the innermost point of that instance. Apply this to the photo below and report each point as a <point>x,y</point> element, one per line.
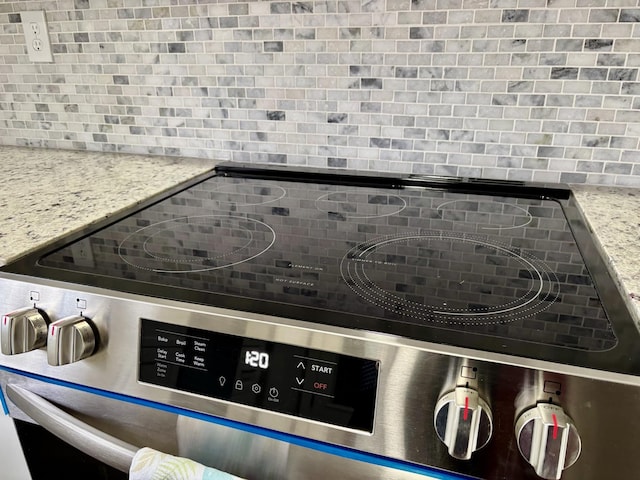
<point>150,464</point>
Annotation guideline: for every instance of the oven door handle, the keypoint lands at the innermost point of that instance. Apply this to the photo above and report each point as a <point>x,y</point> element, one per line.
<point>95,443</point>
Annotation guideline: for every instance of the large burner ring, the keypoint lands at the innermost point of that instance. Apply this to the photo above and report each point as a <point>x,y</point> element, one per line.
<point>450,292</point>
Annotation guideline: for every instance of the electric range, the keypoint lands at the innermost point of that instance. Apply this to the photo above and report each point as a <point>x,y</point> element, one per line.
<point>440,324</point>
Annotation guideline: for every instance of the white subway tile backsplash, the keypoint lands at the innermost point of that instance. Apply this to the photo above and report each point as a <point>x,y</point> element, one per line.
<point>517,89</point>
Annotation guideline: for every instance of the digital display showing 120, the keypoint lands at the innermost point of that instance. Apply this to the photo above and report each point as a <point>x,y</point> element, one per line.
<point>255,358</point>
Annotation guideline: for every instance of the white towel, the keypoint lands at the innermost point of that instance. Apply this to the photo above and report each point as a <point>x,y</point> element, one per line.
<point>150,464</point>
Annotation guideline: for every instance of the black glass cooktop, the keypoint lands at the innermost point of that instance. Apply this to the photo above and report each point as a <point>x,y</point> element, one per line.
<point>483,266</point>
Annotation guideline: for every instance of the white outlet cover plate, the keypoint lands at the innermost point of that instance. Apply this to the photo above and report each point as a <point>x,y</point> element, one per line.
<point>41,38</point>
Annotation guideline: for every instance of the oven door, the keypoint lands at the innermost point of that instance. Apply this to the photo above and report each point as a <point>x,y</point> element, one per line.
<point>69,428</point>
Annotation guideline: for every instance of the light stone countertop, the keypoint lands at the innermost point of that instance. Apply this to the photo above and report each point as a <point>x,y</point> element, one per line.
<point>610,214</point>
<point>46,194</point>
<point>49,193</point>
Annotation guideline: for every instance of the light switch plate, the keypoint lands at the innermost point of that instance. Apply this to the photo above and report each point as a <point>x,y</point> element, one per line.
<point>36,35</point>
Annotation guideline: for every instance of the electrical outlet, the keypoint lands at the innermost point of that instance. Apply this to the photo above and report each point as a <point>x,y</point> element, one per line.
<point>36,35</point>
<point>82,253</point>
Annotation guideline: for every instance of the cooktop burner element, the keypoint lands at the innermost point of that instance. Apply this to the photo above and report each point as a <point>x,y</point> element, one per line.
<point>458,279</point>
<point>247,194</point>
<point>501,266</point>
<point>359,205</point>
<point>196,244</point>
<point>494,215</point>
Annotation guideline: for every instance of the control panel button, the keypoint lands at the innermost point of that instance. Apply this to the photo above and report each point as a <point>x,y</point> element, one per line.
<point>548,439</point>
<point>23,330</point>
<point>463,422</point>
<point>70,339</point>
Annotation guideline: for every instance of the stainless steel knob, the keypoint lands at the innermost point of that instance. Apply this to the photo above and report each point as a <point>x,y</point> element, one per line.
<point>548,439</point>
<point>70,339</point>
<point>23,330</point>
<point>463,421</point>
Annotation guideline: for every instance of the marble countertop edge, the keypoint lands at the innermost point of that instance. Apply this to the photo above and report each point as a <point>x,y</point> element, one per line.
<point>609,212</point>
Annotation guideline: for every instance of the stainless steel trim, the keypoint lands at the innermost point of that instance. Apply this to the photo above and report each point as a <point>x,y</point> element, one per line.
<point>413,375</point>
<point>90,440</point>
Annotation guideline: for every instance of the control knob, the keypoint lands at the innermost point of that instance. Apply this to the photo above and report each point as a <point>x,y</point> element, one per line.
<point>463,421</point>
<point>548,439</point>
<point>70,339</point>
<point>23,330</point>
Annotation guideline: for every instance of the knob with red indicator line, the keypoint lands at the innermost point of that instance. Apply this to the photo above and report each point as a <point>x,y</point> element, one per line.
<point>23,330</point>
<point>463,421</point>
<point>548,439</point>
<point>70,339</point>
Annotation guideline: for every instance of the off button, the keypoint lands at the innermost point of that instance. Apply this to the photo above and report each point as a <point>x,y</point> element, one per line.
<point>321,387</point>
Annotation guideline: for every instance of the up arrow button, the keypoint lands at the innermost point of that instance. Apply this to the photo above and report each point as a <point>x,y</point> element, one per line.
<point>301,365</point>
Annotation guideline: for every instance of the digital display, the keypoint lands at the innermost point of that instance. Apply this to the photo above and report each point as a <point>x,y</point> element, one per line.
<point>314,384</point>
<point>255,358</point>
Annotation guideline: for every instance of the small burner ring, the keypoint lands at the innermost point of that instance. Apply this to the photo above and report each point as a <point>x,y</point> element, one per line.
<point>518,213</point>
<point>338,203</point>
<point>247,190</point>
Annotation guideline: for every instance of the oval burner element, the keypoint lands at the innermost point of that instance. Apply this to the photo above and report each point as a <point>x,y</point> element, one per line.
<point>357,204</point>
<point>247,194</point>
<point>196,244</point>
<point>489,215</point>
<point>450,278</point>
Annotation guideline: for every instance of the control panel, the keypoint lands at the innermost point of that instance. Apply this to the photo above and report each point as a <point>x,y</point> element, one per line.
<point>458,414</point>
<point>318,385</point>
<point>313,384</point>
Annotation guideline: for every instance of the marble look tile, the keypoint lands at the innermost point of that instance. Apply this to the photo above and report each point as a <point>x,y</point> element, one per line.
<point>186,78</point>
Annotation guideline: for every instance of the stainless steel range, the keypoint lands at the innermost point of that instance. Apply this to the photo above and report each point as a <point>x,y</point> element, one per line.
<point>298,324</point>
